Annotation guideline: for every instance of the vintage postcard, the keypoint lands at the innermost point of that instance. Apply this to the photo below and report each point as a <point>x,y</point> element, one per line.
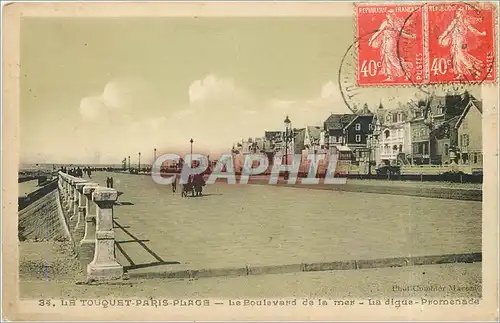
<point>250,161</point>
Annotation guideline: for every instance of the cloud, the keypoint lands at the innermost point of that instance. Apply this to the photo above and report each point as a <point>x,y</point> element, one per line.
<point>124,95</point>
<point>212,89</point>
<point>218,113</point>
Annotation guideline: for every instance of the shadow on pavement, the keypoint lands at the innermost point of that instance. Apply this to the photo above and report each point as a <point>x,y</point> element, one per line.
<point>159,261</point>
<point>123,203</point>
<point>151,264</point>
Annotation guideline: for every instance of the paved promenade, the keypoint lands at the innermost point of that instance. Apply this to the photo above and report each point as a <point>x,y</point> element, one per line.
<point>263,225</point>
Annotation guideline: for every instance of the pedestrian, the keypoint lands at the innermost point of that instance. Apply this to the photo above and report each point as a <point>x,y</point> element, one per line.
<point>111,182</point>
<point>174,184</point>
<point>107,182</point>
<point>89,172</point>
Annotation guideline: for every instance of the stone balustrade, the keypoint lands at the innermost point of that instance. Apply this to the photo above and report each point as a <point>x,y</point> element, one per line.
<point>89,210</point>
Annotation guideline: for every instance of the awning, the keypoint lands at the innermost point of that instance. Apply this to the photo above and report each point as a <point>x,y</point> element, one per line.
<point>342,148</point>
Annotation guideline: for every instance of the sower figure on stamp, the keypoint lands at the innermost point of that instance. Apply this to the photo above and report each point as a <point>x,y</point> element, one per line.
<point>386,38</point>
<point>455,36</point>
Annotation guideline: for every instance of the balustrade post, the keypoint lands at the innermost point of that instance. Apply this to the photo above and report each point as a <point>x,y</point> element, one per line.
<point>76,199</point>
<point>90,217</point>
<point>69,202</point>
<point>104,265</point>
<point>81,205</point>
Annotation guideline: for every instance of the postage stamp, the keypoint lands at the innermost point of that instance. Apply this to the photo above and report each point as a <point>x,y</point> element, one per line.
<point>390,44</point>
<point>248,161</point>
<point>461,40</point>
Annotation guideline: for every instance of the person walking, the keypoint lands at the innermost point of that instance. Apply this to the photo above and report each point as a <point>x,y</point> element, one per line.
<point>174,184</point>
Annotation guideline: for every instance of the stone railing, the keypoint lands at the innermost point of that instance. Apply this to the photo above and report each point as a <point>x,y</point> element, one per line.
<point>88,210</point>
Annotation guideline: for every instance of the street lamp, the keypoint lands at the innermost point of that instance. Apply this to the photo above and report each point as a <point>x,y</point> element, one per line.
<point>154,155</point>
<point>139,163</point>
<point>287,137</point>
<point>191,156</point>
<point>129,163</point>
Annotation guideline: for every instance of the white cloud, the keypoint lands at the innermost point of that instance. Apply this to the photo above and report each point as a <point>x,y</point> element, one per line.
<point>329,90</point>
<point>117,95</point>
<point>213,88</point>
<point>219,113</point>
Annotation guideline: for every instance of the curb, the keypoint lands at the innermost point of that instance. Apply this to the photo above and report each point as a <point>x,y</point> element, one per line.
<point>462,194</point>
<point>311,267</point>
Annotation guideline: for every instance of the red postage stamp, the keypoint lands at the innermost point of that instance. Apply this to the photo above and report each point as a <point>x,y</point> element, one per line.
<point>461,42</point>
<point>390,43</point>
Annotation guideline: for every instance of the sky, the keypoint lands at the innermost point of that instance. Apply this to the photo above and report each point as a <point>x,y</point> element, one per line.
<point>95,90</point>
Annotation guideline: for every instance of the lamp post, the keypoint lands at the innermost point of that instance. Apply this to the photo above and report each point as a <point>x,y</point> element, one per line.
<point>139,163</point>
<point>191,156</point>
<point>129,163</point>
<point>287,126</point>
<point>288,136</point>
<point>154,155</point>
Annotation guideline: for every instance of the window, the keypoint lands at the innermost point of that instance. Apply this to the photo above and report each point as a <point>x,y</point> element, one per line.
<point>387,133</point>
<point>358,126</point>
<point>439,110</point>
<point>370,127</point>
<point>395,117</point>
<point>333,139</point>
<point>446,148</point>
<point>358,138</point>
<point>475,158</point>
<point>464,140</point>
<point>400,117</point>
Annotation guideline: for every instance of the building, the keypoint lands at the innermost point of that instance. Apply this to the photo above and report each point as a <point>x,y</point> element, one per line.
<point>445,139</point>
<point>469,133</point>
<point>334,136</point>
<point>393,128</point>
<point>357,135</point>
<point>443,114</point>
<point>312,138</point>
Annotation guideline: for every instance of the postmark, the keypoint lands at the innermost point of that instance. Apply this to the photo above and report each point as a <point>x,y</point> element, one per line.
<point>390,48</point>
<point>461,43</point>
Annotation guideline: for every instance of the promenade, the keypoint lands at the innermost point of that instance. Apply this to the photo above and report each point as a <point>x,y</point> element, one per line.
<point>263,225</point>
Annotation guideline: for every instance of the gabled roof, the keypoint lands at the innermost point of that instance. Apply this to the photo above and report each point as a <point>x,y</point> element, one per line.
<point>314,133</point>
<point>472,103</point>
<point>371,115</point>
<point>338,121</point>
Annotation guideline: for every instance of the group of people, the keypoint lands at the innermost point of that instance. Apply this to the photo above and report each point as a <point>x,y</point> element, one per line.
<point>109,182</point>
<point>77,172</point>
<point>194,185</point>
